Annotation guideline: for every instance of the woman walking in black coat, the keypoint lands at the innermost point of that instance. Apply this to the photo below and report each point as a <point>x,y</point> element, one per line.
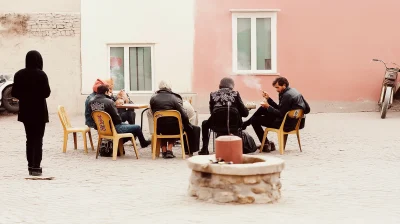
<point>31,88</point>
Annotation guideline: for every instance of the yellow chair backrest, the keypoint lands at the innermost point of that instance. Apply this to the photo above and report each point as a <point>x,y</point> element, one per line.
<point>296,114</point>
<point>104,123</point>
<point>167,113</point>
<point>62,114</point>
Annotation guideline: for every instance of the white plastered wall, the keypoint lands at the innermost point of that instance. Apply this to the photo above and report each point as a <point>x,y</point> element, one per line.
<point>169,25</point>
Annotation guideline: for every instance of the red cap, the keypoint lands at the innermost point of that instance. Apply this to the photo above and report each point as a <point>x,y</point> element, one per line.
<point>97,84</point>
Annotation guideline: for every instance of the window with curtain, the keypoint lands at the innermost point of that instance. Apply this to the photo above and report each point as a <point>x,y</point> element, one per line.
<point>254,43</point>
<point>117,66</point>
<point>131,67</point>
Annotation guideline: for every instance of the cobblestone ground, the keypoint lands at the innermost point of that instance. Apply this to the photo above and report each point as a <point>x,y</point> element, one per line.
<point>348,172</point>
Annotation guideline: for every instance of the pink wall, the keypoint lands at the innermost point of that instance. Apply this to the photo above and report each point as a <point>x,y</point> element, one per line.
<point>324,47</point>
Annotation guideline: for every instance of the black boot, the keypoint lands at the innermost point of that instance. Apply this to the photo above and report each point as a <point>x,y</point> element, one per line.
<point>188,154</point>
<point>269,146</point>
<point>145,144</point>
<point>204,151</point>
<point>35,171</point>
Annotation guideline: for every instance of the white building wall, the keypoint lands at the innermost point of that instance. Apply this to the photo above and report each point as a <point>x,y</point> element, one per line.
<point>169,25</point>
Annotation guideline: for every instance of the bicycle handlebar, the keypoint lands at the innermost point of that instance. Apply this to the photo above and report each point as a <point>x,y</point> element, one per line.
<point>386,63</point>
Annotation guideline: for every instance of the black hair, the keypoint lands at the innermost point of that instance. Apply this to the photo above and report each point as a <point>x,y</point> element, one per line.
<point>102,89</point>
<point>281,81</point>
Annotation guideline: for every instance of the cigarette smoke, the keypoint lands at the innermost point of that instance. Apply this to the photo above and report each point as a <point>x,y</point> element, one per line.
<point>252,82</point>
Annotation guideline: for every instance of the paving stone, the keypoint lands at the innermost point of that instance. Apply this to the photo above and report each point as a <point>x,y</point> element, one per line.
<point>348,172</point>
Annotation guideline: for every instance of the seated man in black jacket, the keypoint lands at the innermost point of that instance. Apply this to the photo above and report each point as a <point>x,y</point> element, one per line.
<point>271,114</point>
<point>103,102</point>
<point>125,114</point>
<point>88,111</point>
<point>221,98</point>
<point>165,99</point>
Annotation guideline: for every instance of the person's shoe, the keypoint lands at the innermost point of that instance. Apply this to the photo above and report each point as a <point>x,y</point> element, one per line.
<point>147,143</point>
<point>35,171</point>
<point>268,147</point>
<point>189,154</point>
<point>272,146</point>
<point>203,152</point>
<point>265,149</point>
<point>168,155</point>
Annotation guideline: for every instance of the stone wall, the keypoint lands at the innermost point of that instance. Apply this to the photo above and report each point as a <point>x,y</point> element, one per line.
<point>235,189</point>
<point>57,37</point>
<point>40,24</point>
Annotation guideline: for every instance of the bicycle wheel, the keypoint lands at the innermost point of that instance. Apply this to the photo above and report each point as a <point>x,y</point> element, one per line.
<point>386,100</point>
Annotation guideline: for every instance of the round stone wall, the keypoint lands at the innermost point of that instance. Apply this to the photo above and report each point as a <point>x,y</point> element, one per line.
<point>257,180</point>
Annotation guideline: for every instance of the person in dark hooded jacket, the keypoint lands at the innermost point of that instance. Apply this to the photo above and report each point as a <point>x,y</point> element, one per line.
<point>31,88</point>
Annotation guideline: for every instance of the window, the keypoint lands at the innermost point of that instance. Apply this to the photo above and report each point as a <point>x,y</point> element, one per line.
<point>131,67</point>
<point>254,43</point>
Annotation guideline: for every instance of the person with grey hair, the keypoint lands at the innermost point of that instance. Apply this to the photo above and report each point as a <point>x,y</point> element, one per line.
<point>187,108</point>
<point>162,85</point>
<point>165,99</point>
<point>222,98</point>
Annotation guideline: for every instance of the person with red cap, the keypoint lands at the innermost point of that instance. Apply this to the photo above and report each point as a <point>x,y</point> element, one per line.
<point>103,102</point>
<point>88,111</point>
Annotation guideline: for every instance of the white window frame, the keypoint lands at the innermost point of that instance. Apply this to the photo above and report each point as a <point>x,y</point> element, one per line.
<point>127,78</point>
<point>253,15</point>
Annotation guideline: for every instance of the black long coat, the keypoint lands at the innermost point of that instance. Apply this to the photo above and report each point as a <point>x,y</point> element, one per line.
<point>31,87</point>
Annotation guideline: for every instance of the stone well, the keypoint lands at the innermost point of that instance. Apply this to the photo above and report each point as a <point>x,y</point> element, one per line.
<point>257,180</point>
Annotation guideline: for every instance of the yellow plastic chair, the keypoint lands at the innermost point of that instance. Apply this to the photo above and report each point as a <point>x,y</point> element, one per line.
<point>62,114</point>
<point>156,140</point>
<point>282,135</point>
<point>106,130</point>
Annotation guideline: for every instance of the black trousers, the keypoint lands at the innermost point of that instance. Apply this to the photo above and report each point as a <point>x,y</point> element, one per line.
<point>128,115</point>
<point>172,128</point>
<point>34,143</point>
<point>193,136</point>
<point>205,130</point>
<point>263,118</point>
